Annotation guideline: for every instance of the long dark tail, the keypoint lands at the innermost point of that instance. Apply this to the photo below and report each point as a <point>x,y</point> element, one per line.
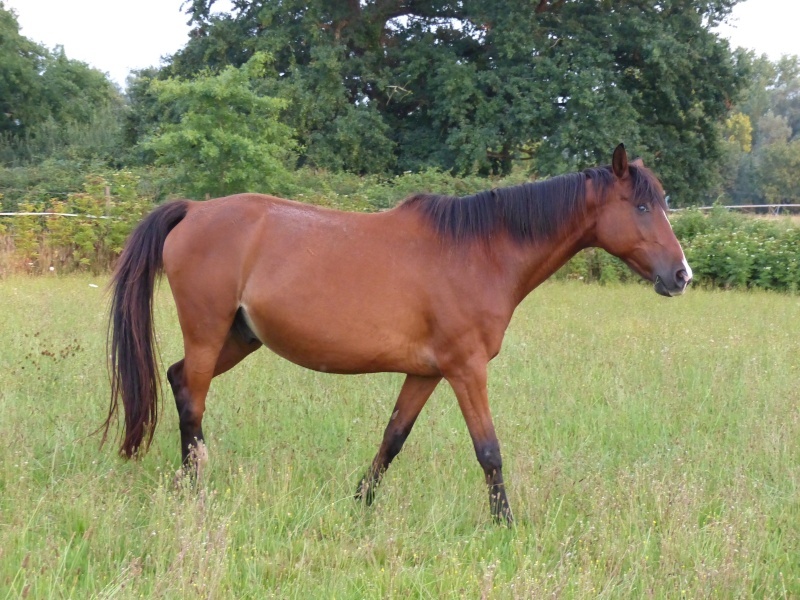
<point>131,340</point>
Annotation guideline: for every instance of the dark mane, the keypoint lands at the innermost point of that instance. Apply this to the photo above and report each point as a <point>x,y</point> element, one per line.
<point>527,212</point>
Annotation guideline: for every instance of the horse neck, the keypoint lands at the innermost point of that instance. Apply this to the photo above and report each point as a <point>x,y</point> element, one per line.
<point>531,264</point>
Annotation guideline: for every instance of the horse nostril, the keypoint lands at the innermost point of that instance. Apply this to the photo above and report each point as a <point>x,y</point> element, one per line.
<point>682,277</point>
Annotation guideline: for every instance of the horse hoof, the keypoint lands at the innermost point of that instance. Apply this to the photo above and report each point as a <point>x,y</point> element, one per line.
<point>365,492</point>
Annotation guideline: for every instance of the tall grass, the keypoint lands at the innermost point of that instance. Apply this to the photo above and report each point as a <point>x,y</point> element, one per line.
<point>651,449</point>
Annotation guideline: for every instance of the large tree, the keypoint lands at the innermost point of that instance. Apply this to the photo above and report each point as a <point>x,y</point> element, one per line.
<point>21,61</point>
<point>42,90</point>
<point>475,85</point>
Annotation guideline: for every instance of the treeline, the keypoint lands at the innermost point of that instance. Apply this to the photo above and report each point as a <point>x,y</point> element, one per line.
<point>380,88</point>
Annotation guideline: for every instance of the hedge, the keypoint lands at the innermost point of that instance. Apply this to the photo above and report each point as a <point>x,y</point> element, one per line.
<point>725,250</point>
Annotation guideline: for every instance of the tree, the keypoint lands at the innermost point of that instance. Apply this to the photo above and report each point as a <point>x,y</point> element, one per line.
<point>778,166</point>
<point>739,132</point>
<point>786,92</point>
<point>21,61</point>
<point>226,138</point>
<point>771,103</point>
<point>477,85</point>
<point>43,93</point>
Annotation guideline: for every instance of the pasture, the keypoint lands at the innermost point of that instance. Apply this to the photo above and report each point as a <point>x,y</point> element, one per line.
<point>651,448</point>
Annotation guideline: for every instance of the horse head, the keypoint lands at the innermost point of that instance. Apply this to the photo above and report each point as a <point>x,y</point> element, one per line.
<point>632,225</point>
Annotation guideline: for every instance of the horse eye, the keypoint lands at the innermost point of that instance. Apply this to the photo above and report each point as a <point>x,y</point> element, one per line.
<point>642,208</point>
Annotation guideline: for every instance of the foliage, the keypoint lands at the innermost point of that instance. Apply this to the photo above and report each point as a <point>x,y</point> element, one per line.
<point>735,251</point>
<point>724,249</point>
<point>73,144</point>
<point>739,131</point>
<point>90,241</point>
<point>38,183</point>
<point>21,61</point>
<point>477,86</point>
<point>777,177</point>
<point>596,266</point>
<point>37,84</point>
<point>228,138</point>
<point>369,193</point>
<point>771,104</point>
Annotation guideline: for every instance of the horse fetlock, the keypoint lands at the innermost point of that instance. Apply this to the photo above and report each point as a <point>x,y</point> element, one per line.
<point>195,461</point>
<point>498,505</point>
<point>198,457</point>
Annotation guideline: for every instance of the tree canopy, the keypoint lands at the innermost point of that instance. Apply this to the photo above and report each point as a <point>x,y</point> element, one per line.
<point>37,84</point>
<point>477,85</point>
<point>768,116</point>
<point>530,88</point>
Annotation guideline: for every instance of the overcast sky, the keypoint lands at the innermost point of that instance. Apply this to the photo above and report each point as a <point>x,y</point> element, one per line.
<point>116,36</point>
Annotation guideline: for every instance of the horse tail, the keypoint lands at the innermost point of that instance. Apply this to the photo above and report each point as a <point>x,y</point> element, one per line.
<point>130,340</point>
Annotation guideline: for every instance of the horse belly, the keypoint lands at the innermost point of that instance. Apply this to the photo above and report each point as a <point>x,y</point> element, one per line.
<point>340,341</point>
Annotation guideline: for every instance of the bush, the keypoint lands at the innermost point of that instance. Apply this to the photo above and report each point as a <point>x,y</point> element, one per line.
<point>90,241</point>
<point>736,251</point>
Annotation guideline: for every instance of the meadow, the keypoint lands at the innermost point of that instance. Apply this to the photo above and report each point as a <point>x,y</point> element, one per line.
<point>651,448</point>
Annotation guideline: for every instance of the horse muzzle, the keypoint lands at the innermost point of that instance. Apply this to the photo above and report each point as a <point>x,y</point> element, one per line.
<point>676,284</point>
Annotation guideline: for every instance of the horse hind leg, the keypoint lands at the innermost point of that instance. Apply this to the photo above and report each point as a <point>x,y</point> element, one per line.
<point>190,379</point>
<point>413,396</point>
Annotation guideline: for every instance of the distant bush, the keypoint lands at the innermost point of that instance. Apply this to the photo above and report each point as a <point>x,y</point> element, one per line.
<point>736,251</point>
<point>372,192</point>
<point>597,266</point>
<point>90,241</point>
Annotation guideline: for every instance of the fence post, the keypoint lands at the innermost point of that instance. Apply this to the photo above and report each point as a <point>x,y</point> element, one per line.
<point>108,200</point>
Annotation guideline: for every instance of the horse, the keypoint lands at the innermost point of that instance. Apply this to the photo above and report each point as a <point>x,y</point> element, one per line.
<point>427,288</point>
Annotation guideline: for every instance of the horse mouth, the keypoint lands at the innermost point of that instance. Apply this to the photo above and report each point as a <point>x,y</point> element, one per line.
<point>662,289</point>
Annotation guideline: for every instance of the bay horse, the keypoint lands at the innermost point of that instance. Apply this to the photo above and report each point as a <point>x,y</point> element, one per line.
<point>426,289</point>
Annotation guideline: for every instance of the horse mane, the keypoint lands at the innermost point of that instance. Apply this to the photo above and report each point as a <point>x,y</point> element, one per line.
<point>529,212</point>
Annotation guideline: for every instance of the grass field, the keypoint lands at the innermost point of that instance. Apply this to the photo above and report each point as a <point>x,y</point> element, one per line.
<point>651,448</point>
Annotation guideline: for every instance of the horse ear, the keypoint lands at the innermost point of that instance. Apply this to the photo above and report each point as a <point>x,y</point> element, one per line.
<point>620,161</point>
<point>638,162</point>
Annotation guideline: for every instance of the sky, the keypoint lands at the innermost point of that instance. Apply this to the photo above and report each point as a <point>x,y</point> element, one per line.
<point>116,36</point>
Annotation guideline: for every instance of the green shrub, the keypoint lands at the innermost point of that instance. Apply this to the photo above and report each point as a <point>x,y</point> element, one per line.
<point>90,241</point>
<point>736,251</point>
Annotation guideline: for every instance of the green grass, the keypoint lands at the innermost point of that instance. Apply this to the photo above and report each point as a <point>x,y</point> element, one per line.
<point>651,448</point>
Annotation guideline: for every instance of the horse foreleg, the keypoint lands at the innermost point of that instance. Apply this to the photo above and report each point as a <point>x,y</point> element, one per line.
<point>413,396</point>
<point>469,385</point>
